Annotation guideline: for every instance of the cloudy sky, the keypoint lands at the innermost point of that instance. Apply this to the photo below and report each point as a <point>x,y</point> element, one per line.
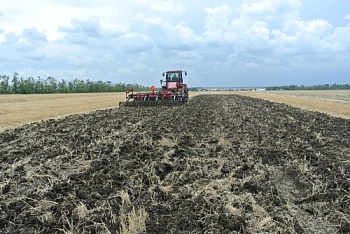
<point>235,43</point>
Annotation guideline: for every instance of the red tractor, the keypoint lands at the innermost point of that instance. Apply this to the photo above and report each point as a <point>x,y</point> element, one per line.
<point>172,92</point>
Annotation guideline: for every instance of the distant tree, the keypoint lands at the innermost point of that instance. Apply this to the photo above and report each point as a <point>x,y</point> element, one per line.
<point>98,86</point>
<point>51,84</point>
<point>39,85</point>
<point>71,87</point>
<point>15,83</point>
<point>63,87</point>
<point>27,86</point>
<point>90,86</point>
<point>82,87</point>
<point>4,84</point>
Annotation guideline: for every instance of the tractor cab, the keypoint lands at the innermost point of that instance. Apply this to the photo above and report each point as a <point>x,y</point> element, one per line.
<point>173,79</point>
<point>175,76</point>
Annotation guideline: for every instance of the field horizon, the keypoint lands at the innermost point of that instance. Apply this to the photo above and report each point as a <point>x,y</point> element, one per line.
<point>17,109</point>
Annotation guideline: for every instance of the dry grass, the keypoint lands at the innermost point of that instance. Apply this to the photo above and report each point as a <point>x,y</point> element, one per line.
<point>333,102</point>
<point>21,109</point>
<point>134,222</point>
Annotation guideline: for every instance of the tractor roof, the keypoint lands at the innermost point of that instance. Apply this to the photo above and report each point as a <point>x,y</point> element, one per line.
<point>173,71</point>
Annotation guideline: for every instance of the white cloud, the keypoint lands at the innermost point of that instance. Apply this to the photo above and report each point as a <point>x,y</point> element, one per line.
<point>165,35</point>
<point>340,39</point>
<point>82,31</point>
<point>218,18</point>
<point>209,38</point>
<point>269,9</point>
<point>309,36</point>
<point>135,43</point>
<point>84,62</point>
<point>33,35</point>
<point>168,7</point>
<point>257,38</point>
<point>88,27</point>
<point>316,28</point>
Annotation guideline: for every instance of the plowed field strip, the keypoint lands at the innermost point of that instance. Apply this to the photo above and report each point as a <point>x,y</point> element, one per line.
<point>21,109</point>
<point>220,164</point>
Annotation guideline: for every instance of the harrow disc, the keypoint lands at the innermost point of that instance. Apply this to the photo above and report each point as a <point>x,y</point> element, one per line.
<point>150,103</point>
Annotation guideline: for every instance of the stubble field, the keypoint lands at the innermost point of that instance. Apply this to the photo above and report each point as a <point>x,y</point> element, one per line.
<point>19,109</point>
<point>219,164</point>
<point>332,102</point>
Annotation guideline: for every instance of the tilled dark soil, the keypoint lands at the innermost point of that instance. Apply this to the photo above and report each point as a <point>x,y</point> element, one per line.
<point>219,164</point>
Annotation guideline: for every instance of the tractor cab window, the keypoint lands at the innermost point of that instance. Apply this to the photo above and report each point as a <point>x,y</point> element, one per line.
<point>173,77</point>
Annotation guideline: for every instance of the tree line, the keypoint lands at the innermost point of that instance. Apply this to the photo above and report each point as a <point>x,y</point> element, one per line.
<point>313,87</point>
<point>30,85</point>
